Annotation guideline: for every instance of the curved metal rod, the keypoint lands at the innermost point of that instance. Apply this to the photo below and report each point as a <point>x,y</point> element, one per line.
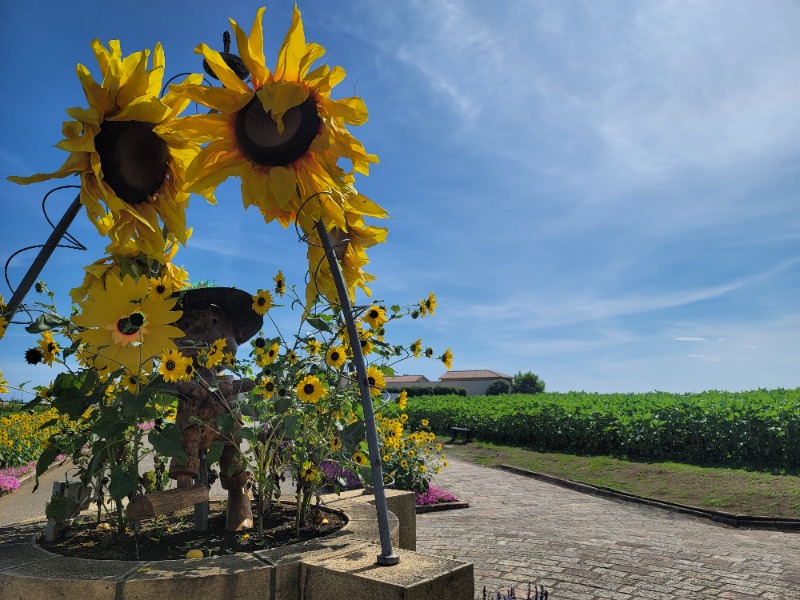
<point>44,255</point>
<point>387,555</point>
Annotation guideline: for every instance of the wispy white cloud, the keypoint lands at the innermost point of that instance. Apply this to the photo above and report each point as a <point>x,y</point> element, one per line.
<point>690,339</point>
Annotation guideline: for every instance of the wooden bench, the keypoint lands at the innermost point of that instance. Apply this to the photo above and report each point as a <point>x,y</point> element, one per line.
<point>464,432</point>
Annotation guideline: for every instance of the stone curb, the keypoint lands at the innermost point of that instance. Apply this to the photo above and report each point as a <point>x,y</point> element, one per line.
<point>442,506</point>
<point>732,520</point>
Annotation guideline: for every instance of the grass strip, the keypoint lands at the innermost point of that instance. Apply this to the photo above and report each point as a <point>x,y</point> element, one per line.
<point>735,491</point>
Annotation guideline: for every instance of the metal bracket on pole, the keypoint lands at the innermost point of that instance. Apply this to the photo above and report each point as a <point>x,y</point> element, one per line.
<point>387,555</point>
<point>44,255</point>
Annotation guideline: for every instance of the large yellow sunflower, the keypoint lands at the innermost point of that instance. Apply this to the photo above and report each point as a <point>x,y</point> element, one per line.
<point>171,275</point>
<point>350,245</point>
<point>281,133</point>
<point>126,326</point>
<point>131,172</point>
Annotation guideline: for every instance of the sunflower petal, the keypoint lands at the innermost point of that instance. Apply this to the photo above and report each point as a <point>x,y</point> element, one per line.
<point>292,51</point>
<point>225,74</point>
<point>251,49</point>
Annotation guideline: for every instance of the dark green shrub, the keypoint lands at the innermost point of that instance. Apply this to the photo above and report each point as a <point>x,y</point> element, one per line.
<point>499,387</point>
<point>413,392</point>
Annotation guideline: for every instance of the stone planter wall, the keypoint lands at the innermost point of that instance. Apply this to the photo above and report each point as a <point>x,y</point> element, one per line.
<point>340,566</point>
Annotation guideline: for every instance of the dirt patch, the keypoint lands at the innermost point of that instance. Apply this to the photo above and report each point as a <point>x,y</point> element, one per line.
<point>171,537</point>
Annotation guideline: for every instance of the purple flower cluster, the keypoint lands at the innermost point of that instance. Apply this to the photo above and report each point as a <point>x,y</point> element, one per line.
<point>9,478</point>
<point>333,470</point>
<point>434,495</point>
<point>8,483</point>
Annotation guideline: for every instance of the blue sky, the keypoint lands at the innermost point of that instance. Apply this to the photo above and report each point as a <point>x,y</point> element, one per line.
<point>604,193</point>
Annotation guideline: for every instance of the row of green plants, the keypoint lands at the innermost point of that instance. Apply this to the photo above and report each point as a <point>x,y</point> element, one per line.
<point>757,429</point>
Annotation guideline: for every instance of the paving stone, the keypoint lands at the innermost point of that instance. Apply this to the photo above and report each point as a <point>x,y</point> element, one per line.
<point>519,530</point>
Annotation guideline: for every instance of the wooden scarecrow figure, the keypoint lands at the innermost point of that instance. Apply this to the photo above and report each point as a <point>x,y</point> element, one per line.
<point>211,314</point>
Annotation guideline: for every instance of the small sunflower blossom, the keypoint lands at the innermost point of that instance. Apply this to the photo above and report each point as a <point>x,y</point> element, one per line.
<point>336,443</point>
<point>335,357</point>
<point>160,287</point>
<point>375,316</point>
<point>292,357</point>
<point>3,326</point>
<point>206,359</point>
<point>188,371</point>
<point>313,346</point>
<point>173,365</point>
<point>3,384</point>
<point>308,472</point>
<point>428,304</point>
<point>280,284</point>
<point>429,352</point>
<point>376,380</point>
<point>310,389</point>
<point>365,338</point>
<point>447,359</point>
<point>266,387</point>
<point>262,302</point>
<point>133,381</point>
<point>416,348</point>
<point>359,459</point>
<point>49,348</point>
<point>402,400</point>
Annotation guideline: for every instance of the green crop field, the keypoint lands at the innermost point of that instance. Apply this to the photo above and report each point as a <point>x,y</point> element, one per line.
<point>757,429</point>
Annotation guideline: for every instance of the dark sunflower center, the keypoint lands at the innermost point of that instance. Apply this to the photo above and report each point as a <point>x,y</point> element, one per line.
<point>371,381</point>
<point>33,356</point>
<point>308,388</point>
<point>133,158</point>
<point>259,140</point>
<point>170,365</point>
<point>261,301</point>
<point>161,288</point>
<point>334,356</point>
<point>189,369</point>
<point>261,342</point>
<point>271,353</point>
<point>270,387</point>
<point>130,324</point>
<point>373,314</point>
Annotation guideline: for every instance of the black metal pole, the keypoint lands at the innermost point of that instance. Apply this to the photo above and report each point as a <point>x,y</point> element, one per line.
<point>387,555</point>
<point>44,255</point>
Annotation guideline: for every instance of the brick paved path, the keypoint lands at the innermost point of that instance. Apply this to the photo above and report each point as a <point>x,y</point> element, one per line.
<point>519,530</point>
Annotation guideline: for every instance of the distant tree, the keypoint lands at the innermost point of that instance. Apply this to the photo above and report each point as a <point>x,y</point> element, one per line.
<point>496,388</point>
<point>526,383</point>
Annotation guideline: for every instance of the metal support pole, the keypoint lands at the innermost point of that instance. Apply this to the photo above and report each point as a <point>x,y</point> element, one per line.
<point>387,555</point>
<point>44,255</point>
<point>201,508</point>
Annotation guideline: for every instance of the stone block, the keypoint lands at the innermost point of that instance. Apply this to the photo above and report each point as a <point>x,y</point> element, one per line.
<point>356,576</point>
<point>62,577</point>
<point>285,560</point>
<point>231,577</point>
